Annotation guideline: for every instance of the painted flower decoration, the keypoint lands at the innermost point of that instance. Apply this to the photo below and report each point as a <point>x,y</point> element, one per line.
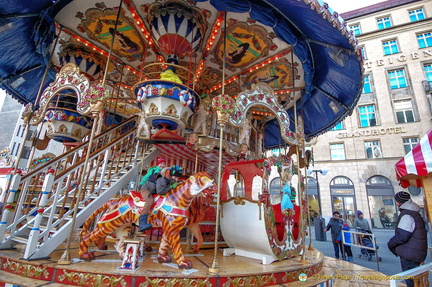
<point>224,103</point>
<point>94,94</point>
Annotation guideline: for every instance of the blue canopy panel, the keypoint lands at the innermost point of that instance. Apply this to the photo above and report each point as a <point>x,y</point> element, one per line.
<point>25,37</point>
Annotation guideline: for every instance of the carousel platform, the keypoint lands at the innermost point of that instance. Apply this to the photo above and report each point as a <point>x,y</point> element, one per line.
<point>233,271</point>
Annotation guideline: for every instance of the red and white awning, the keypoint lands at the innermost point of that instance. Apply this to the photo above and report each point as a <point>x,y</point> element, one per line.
<point>416,164</point>
<point>184,156</point>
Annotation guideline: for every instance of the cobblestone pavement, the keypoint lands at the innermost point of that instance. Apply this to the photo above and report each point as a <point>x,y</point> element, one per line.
<point>389,265</point>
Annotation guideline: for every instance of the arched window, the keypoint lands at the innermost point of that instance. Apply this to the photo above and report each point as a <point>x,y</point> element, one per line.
<point>343,198</point>
<point>382,207</point>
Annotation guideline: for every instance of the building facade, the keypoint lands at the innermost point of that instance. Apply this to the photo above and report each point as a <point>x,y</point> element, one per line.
<point>393,113</point>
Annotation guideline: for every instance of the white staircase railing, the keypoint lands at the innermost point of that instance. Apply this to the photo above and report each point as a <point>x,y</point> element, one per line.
<point>40,204</point>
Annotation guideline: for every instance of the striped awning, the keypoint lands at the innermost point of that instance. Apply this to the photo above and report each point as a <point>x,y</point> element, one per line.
<point>184,156</point>
<point>416,164</point>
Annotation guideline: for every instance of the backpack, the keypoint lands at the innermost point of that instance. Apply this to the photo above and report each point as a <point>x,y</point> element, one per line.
<point>154,177</point>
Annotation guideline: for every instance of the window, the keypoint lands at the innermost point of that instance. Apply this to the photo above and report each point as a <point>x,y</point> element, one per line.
<point>404,111</point>
<point>356,29</point>
<point>409,144</point>
<point>338,127</point>
<point>373,149</point>
<point>414,190</point>
<point>18,131</point>
<point>366,85</point>
<point>428,72</point>
<point>416,15</point>
<point>13,148</point>
<point>397,79</point>
<point>363,52</point>
<point>26,152</point>
<point>337,151</point>
<point>367,116</point>
<point>18,148</point>
<point>424,40</point>
<point>390,47</point>
<point>384,23</point>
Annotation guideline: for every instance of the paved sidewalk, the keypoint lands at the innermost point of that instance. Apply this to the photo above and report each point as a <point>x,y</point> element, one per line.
<point>389,265</point>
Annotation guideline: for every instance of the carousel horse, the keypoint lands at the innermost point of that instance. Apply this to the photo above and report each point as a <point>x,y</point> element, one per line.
<point>171,212</point>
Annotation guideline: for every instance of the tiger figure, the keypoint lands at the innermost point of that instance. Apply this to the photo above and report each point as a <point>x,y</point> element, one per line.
<point>170,212</point>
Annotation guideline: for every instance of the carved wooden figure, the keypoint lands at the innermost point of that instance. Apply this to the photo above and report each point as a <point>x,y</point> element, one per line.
<point>171,212</point>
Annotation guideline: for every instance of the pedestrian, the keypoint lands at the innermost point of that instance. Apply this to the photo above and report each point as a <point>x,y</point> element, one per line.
<point>348,256</point>
<point>410,239</point>
<point>335,224</point>
<point>361,223</point>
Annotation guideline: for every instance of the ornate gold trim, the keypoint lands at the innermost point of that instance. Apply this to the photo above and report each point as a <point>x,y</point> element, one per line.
<point>89,279</point>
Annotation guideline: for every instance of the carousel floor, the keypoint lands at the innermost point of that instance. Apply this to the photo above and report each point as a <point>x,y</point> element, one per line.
<point>233,271</point>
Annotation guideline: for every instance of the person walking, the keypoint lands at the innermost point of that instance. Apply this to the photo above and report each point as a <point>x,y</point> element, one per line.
<point>347,254</point>
<point>360,222</point>
<point>410,239</point>
<point>335,224</point>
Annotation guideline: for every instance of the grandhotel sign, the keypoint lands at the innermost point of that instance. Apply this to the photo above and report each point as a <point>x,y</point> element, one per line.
<point>372,132</point>
<point>400,58</point>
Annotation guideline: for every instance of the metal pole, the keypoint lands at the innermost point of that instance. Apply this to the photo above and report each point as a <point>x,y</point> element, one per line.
<point>215,265</point>
<point>318,192</point>
<point>308,212</point>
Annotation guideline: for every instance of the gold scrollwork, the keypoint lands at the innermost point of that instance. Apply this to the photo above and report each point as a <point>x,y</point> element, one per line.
<point>88,279</point>
<point>26,270</point>
<point>176,282</point>
<point>255,280</point>
<point>171,111</point>
<point>153,110</point>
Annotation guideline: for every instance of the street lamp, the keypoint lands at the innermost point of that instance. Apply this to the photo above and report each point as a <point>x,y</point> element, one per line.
<point>323,171</point>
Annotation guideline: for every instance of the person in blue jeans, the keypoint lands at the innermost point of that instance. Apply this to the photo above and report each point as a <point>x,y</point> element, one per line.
<point>335,224</point>
<point>410,240</point>
<point>348,256</point>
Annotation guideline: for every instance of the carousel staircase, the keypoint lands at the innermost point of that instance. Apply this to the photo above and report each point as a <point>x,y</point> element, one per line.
<point>40,206</point>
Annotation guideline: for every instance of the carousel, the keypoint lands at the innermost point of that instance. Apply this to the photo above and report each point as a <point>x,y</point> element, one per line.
<point>224,93</point>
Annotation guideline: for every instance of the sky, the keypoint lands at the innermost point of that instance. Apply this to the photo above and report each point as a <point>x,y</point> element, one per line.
<point>342,6</point>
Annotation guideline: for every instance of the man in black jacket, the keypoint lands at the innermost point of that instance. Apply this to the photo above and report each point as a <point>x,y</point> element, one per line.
<point>335,224</point>
<point>410,239</point>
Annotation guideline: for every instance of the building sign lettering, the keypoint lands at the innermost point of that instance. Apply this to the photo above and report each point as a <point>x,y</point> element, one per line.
<point>400,58</point>
<point>341,191</point>
<point>371,132</point>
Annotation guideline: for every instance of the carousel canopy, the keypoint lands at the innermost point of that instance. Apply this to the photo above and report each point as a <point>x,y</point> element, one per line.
<point>301,48</point>
<point>416,164</point>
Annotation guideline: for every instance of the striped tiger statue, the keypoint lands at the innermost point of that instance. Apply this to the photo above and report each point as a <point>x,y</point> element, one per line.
<point>170,212</point>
